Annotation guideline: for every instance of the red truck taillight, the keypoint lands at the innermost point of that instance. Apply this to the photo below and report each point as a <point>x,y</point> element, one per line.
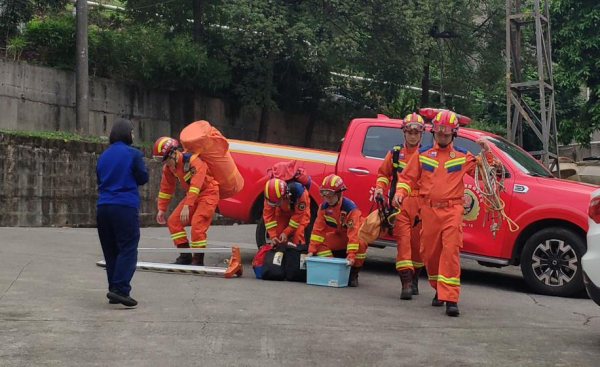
<point>594,211</point>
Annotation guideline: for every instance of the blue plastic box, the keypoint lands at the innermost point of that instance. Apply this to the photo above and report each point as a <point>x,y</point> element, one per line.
<point>327,271</point>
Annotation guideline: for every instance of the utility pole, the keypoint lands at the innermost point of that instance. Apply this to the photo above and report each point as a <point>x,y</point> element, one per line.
<point>541,115</point>
<point>82,107</point>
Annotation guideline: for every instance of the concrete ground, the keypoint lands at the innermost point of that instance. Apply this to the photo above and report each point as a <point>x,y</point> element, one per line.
<point>54,312</point>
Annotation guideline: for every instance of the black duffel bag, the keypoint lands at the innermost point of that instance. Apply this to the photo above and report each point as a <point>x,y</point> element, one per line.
<point>273,267</point>
<point>295,264</point>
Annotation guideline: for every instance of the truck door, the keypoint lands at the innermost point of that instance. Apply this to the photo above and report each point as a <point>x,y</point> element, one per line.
<point>477,237</point>
<point>362,157</point>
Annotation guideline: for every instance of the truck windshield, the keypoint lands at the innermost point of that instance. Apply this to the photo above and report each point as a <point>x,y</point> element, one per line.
<point>520,159</point>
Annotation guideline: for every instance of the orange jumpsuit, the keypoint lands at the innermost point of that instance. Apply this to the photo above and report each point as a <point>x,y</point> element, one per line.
<point>406,232</point>
<point>289,218</point>
<point>202,198</point>
<point>336,228</point>
<point>438,173</point>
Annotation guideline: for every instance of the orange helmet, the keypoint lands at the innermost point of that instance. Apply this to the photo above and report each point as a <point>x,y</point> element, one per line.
<point>163,147</point>
<point>275,191</point>
<point>413,121</point>
<point>445,122</point>
<point>332,185</point>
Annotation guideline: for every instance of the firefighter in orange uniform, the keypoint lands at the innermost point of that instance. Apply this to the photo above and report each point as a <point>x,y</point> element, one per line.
<point>438,172</point>
<point>336,227</point>
<point>198,206</point>
<point>286,211</point>
<point>407,226</point>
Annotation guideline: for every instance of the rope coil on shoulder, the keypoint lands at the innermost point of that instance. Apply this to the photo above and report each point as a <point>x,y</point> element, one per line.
<point>489,187</point>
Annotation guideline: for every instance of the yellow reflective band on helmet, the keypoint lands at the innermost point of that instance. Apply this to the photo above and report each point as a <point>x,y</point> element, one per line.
<point>384,180</point>
<point>195,190</point>
<point>431,162</point>
<point>277,189</point>
<point>267,190</point>
<point>293,223</point>
<point>198,244</point>
<point>333,180</point>
<point>352,246</point>
<point>161,142</point>
<point>177,235</point>
<point>325,253</point>
<point>164,195</point>
<point>314,237</point>
<point>455,162</point>
<point>404,186</point>
<point>404,263</point>
<point>452,118</point>
<point>271,225</point>
<point>361,256</point>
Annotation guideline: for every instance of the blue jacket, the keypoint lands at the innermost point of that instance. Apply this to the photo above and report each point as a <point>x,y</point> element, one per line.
<point>120,170</point>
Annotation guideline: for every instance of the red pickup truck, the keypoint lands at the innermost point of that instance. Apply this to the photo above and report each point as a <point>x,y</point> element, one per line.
<point>551,213</point>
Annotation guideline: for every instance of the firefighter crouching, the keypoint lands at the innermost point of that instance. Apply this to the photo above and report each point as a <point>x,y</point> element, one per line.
<point>336,227</point>
<point>438,172</point>
<point>407,226</point>
<point>286,211</point>
<point>198,206</point>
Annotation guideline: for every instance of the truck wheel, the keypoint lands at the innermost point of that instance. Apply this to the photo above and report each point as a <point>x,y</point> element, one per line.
<point>261,233</point>
<point>551,262</point>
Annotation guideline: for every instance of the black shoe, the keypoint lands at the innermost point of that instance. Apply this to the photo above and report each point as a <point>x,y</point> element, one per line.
<point>112,302</point>
<point>436,303</point>
<point>198,260</point>
<point>183,259</point>
<point>415,282</point>
<point>406,279</point>
<point>120,297</point>
<point>452,309</point>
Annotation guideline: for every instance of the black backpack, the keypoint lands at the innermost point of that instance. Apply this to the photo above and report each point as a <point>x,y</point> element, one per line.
<point>273,267</point>
<point>295,264</point>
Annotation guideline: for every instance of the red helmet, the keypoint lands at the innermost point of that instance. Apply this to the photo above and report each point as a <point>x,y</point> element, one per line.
<point>445,122</point>
<point>275,191</point>
<point>331,185</point>
<point>413,121</point>
<point>163,147</point>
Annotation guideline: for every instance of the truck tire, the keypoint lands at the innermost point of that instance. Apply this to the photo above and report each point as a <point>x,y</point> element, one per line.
<point>262,236</point>
<point>551,262</point>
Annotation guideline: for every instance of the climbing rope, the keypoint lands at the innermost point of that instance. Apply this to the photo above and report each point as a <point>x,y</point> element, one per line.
<point>489,187</point>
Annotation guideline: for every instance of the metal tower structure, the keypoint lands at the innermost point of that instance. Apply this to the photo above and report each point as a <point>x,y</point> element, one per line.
<point>530,99</point>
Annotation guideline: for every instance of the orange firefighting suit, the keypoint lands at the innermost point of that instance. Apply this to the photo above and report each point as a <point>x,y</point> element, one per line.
<point>291,217</point>
<point>438,172</point>
<point>202,198</point>
<point>407,227</point>
<point>336,228</point>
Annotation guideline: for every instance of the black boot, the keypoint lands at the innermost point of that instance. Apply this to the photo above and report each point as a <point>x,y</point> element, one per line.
<point>184,258</point>
<point>122,298</point>
<point>415,282</point>
<point>198,260</point>
<point>452,309</point>
<point>435,302</point>
<point>353,281</point>
<point>406,279</point>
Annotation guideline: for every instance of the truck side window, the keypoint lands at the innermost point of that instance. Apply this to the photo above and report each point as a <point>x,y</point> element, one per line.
<point>379,140</point>
<point>468,144</point>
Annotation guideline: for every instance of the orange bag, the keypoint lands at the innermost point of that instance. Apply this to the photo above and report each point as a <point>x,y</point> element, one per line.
<point>370,229</point>
<point>210,145</point>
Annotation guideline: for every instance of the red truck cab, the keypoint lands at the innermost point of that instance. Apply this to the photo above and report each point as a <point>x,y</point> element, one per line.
<point>551,213</point>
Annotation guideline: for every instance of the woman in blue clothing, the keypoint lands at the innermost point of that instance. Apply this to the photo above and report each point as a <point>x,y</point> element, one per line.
<point>120,170</point>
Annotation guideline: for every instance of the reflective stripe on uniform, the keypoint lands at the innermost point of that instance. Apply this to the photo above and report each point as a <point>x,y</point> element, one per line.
<point>443,279</point>
<point>177,235</point>
<point>429,161</point>
<point>164,195</point>
<point>404,186</point>
<point>330,219</point>
<point>293,223</point>
<point>403,263</point>
<point>195,190</point>
<point>270,225</point>
<point>325,253</point>
<point>361,256</point>
<point>418,264</point>
<point>197,244</point>
<point>352,246</point>
<point>187,176</point>
<point>455,162</point>
<point>314,237</point>
<point>384,180</point>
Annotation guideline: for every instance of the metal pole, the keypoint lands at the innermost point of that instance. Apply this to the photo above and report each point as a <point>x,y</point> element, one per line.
<point>82,107</point>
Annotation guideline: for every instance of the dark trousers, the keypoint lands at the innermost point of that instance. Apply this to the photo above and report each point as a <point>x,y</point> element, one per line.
<point>119,232</point>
